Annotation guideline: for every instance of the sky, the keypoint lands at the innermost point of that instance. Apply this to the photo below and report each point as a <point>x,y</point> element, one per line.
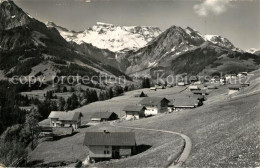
<point>237,20</point>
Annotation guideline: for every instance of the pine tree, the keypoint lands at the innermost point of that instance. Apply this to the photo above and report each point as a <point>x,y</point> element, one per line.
<point>61,104</point>
<point>32,127</point>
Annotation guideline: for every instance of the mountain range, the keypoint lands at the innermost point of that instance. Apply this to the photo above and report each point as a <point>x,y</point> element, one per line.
<point>109,36</point>
<point>28,46</point>
<point>254,51</point>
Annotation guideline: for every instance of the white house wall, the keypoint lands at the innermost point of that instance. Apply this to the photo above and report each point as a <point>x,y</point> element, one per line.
<point>98,151</point>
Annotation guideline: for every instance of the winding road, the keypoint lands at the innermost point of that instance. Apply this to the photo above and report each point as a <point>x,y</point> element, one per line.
<point>187,147</point>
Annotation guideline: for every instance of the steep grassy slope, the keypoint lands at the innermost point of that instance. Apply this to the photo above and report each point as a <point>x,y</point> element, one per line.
<point>224,131</point>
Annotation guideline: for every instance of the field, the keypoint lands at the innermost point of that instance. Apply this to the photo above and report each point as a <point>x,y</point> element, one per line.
<point>224,131</point>
<point>69,150</point>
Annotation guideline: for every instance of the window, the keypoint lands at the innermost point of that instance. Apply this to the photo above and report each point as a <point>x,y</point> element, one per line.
<point>107,152</point>
<point>106,146</point>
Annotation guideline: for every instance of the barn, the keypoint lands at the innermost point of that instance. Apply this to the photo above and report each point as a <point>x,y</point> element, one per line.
<point>65,119</point>
<point>134,112</point>
<point>103,116</point>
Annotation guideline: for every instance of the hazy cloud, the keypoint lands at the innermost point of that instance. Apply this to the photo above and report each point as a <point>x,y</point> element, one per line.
<point>215,7</point>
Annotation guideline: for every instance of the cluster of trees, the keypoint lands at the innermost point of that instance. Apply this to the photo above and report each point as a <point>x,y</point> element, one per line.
<point>10,100</point>
<point>16,139</point>
<point>19,128</point>
<point>146,83</point>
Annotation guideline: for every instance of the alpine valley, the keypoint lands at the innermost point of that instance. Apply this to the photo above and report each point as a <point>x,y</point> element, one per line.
<point>174,51</point>
<point>28,46</point>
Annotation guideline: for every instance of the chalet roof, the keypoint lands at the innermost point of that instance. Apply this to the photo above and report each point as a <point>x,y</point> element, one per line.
<point>234,86</point>
<point>65,116</point>
<point>153,100</point>
<point>212,87</point>
<point>184,101</point>
<point>110,138</point>
<point>133,108</point>
<point>103,115</point>
<point>199,91</point>
<point>199,97</point>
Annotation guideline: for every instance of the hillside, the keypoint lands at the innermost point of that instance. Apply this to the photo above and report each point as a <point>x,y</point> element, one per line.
<point>224,131</point>
<point>27,46</point>
<point>179,50</point>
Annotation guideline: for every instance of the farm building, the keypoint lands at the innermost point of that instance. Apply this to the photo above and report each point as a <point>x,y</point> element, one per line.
<point>212,87</point>
<point>198,83</point>
<point>223,81</point>
<point>110,145</point>
<point>194,87</point>
<point>233,88</point>
<point>245,84</point>
<point>142,94</point>
<point>200,92</point>
<point>170,106</point>
<point>134,112</point>
<point>229,77</point>
<point>103,116</point>
<point>199,97</point>
<point>154,105</point>
<point>169,86</point>
<point>28,108</point>
<point>160,87</point>
<point>185,102</point>
<point>181,84</point>
<point>242,74</point>
<point>65,119</point>
<point>193,79</point>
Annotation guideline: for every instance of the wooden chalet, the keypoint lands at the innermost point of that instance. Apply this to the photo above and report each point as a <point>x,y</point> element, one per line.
<point>65,119</point>
<point>134,112</point>
<point>154,105</point>
<point>110,145</point>
<point>103,116</point>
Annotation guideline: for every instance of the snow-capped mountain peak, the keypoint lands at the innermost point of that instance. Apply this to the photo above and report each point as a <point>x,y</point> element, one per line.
<point>112,37</point>
<point>220,41</point>
<point>253,50</point>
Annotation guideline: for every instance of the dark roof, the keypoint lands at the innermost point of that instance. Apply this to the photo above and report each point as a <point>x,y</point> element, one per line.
<point>133,108</point>
<point>184,101</point>
<point>110,139</point>
<point>212,87</point>
<point>199,97</point>
<point>65,116</point>
<point>153,100</point>
<point>104,115</point>
<point>234,86</point>
<point>199,91</point>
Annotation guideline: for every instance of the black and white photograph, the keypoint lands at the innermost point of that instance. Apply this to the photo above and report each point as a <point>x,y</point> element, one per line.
<point>130,83</point>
